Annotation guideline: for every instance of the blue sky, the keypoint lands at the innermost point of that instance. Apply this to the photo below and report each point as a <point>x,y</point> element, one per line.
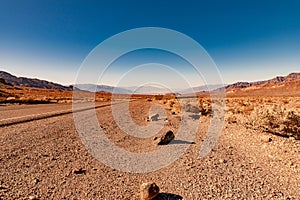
<point>248,40</point>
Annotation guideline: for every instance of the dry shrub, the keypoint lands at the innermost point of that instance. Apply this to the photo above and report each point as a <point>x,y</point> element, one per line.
<point>205,106</point>
<point>158,97</point>
<point>27,101</point>
<point>285,101</point>
<point>173,105</point>
<point>240,107</point>
<point>231,119</point>
<point>170,103</point>
<point>292,124</point>
<point>276,120</point>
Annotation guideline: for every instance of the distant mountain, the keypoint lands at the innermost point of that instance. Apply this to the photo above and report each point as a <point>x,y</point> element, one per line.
<point>158,90</point>
<point>203,88</point>
<point>4,84</point>
<point>31,82</point>
<point>102,88</point>
<point>280,85</point>
<point>148,90</point>
<point>274,81</point>
<point>122,90</point>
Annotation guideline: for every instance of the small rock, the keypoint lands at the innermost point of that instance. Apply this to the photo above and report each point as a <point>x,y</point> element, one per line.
<point>166,138</point>
<point>2,187</point>
<point>33,198</point>
<point>36,181</point>
<point>266,139</point>
<point>148,191</point>
<point>79,171</point>
<point>282,127</point>
<point>154,117</point>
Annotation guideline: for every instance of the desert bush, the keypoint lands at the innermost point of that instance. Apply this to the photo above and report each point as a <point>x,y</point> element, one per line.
<point>276,120</point>
<point>292,124</point>
<point>231,119</point>
<point>158,97</point>
<point>240,107</point>
<point>205,107</point>
<point>285,101</point>
<point>170,103</point>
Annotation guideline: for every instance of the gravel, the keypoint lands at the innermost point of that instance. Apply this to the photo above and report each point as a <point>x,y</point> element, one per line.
<point>45,159</point>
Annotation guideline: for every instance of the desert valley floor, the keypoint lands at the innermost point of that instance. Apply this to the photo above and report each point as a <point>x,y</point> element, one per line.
<point>45,158</point>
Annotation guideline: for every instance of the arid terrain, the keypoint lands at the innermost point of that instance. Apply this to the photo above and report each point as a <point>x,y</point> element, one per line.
<point>256,157</point>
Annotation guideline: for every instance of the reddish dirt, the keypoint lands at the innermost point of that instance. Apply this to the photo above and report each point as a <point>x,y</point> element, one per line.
<point>45,159</point>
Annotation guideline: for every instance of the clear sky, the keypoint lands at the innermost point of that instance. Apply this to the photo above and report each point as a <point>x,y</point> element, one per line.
<point>248,40</point>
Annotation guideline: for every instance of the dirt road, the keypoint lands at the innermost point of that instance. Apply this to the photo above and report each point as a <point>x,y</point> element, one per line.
<point>14,114</point>
<point>45,159</point>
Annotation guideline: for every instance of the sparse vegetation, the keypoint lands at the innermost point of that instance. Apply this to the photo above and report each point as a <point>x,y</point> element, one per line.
<point>276,120</point>
<point>274,115</point>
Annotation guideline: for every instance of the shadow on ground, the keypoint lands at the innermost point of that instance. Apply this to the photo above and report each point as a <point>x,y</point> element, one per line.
<point>167,196</point>
<point>181,142</point>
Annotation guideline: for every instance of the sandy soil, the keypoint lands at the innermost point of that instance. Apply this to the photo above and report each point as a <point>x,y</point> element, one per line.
<point>45,159</point>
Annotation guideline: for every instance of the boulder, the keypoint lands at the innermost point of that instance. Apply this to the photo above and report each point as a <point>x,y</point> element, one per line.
<point>166,138</point>
<point>148,191</point>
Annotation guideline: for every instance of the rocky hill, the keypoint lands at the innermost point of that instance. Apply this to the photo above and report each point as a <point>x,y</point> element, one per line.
<point>4,84</point>
<point>30,82</point>
<point>280,85</point>
<point>276,80</point>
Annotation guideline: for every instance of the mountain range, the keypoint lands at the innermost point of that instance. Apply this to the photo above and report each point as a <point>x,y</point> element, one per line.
<point>31,82</point>
<point>277,84</point>
<point>102,88</point>
<point>277,80</point>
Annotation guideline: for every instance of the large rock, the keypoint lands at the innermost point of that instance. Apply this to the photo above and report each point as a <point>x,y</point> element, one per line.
<point>166,138</point>
<point>148,191</point>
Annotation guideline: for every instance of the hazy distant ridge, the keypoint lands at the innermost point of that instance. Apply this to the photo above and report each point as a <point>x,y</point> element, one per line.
<point>102,88</point>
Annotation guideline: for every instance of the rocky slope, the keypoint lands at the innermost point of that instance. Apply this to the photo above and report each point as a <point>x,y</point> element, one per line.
<point>281,85</point>
<point>276,80</point>
<point>30,82</point>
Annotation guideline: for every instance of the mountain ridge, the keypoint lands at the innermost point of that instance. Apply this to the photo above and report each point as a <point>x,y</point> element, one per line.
<point>31,82</point>
<point>277,80</point>
<point>292,81</point>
